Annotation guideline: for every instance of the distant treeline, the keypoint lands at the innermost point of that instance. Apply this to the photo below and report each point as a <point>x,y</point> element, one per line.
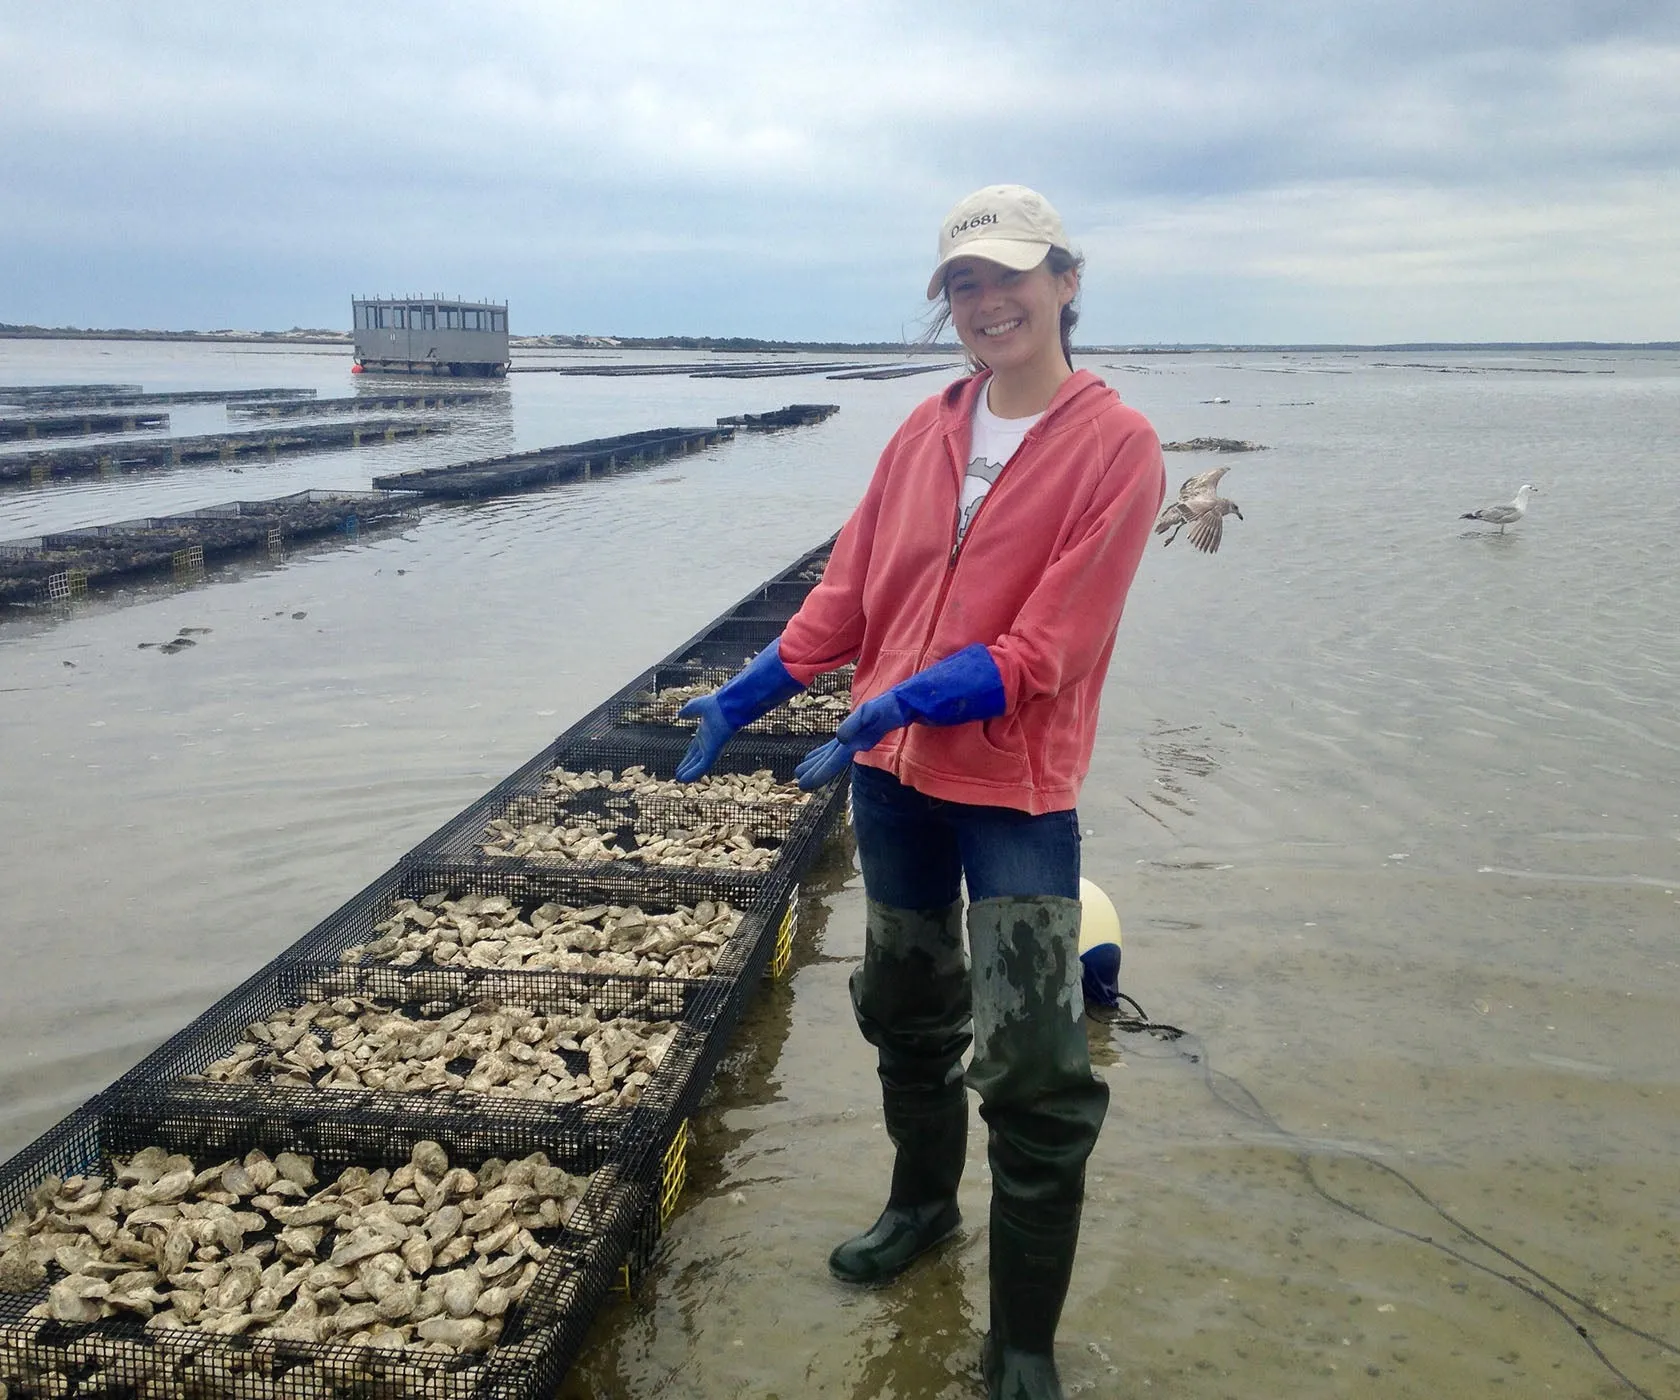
<point>297,335</point>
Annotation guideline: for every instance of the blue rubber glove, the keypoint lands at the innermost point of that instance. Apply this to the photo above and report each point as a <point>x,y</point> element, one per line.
<point>963,687</point>
<point>750,694</point>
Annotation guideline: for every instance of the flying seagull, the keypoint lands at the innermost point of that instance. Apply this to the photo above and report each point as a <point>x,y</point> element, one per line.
<point>1202,508</point>
<point>1503,515</point>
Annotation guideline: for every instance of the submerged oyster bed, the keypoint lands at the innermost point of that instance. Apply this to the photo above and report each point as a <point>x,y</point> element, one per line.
<point>490,931</point>
<point>371,1042</point>
<point>429,1256</point>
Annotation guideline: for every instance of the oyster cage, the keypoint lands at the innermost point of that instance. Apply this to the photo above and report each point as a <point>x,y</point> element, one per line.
<point>808,568</point>
<point>812,715</point>
<point>727,652</point>
<point>603,829</point>
<point>673,1177</point>
<point>775,601</point>
<point>616,831</point>
<point>596,742</point>
<point>601,741</point>
<point>731,636</point>
<point>254,1054</point>
<point>120,1355</point>
<point>654,890</point>
<point>501,949</point>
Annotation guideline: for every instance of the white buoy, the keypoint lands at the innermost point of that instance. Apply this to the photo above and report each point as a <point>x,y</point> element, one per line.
<point>1099,946</point>
<point>1099,921</point>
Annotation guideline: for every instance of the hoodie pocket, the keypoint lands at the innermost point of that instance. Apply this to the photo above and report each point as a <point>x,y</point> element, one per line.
<point>1006,741</point>
<point>991,751</point>
<point>879,674</point>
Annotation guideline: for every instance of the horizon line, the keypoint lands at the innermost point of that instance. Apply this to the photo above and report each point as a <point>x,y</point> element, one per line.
<point>596,341</point>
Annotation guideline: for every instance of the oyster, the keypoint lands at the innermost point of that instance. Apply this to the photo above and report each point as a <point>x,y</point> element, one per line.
<point>486,931</point>
<point>489,1047</point>
<point>352,1280</point>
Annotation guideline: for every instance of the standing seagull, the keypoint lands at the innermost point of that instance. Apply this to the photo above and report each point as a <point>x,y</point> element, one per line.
<point>1201,508</point>
<point>1503,515</point>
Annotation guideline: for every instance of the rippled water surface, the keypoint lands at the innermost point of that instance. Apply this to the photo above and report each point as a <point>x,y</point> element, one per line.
<point>1389,803</point>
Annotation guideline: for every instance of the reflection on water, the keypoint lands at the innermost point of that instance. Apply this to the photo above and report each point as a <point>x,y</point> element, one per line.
<point>1388,814</point>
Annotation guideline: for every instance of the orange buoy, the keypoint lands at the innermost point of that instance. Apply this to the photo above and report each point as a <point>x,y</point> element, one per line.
<point>356,369</point>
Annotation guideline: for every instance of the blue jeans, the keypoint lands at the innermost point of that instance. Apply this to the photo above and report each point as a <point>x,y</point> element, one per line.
<point>916,850</point>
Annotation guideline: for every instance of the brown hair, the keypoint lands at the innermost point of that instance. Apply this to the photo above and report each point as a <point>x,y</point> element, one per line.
<point>1058,261</point>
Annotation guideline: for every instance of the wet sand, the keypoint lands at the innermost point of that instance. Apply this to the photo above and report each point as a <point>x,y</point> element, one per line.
<point>1216,1260</point>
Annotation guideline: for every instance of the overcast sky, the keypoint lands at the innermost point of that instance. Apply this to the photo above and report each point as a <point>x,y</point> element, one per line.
<point>1233,170</point>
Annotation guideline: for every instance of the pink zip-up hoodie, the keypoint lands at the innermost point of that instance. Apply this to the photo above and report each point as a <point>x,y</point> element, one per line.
<point>1040,580</point>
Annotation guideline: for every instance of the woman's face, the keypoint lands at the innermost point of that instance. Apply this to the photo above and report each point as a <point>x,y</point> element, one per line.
<point>1008,320</point>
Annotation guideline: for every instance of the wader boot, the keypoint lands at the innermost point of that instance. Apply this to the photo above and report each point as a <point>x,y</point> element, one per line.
<point>911,997</point>
<point>1043,1107</point>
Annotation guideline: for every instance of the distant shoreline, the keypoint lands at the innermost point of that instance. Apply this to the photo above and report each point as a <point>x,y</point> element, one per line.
<point>230,337</point>
<point>747,345</point>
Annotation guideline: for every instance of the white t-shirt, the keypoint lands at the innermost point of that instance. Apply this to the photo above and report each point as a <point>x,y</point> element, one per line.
<point>995,441</point>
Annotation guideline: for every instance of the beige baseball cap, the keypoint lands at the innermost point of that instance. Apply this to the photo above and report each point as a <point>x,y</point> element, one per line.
<point>1006,224</point>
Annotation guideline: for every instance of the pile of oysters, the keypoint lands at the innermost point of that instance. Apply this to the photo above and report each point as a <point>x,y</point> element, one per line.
<point>633,816</point>
<point>475,930</point>
<point>489,1047</point>
<point>429,1257</point>
<point>807,712</point>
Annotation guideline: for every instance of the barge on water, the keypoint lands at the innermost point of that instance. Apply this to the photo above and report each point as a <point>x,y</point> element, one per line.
<point>427,335</point>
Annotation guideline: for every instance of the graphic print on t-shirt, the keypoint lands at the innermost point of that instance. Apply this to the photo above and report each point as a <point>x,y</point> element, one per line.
<point>979,479</point>
<point>994,442</point>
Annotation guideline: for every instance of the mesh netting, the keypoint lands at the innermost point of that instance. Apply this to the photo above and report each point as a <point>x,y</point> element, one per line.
<point>527,889</point>
<point>600,825</point>
<point>496,1047</point>
<point>754,633</point>
<point>577,811</point>
<point>319,1054</point>
<point>123,1355</point>
<point>808,568</point>
<point>776,601</point>
<point>815,713</point>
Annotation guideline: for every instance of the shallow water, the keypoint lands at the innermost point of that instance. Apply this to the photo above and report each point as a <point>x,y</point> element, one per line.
<point>1389,804</point>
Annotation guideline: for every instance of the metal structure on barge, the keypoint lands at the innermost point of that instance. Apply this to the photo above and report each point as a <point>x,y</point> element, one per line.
<point>430,335</point>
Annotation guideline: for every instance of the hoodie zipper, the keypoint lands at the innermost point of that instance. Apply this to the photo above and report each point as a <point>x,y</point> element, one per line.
<point>958,540</point>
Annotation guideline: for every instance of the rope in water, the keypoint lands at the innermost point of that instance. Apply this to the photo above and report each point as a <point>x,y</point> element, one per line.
<point>1137,1021</point>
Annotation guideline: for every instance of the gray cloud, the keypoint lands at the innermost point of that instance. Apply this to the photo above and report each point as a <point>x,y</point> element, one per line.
<point>1342,170</point>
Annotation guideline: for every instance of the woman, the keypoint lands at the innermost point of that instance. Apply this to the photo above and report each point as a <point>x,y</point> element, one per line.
<point>978,587</point>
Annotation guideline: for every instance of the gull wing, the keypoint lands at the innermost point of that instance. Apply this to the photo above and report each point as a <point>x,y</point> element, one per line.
<point>1202,484</point>
<point>1175,514</point>
<point>1208,530</point>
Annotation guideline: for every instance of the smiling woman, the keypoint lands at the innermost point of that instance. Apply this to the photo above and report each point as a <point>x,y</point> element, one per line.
<point>977,587</point>
<point>1010,286</point>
